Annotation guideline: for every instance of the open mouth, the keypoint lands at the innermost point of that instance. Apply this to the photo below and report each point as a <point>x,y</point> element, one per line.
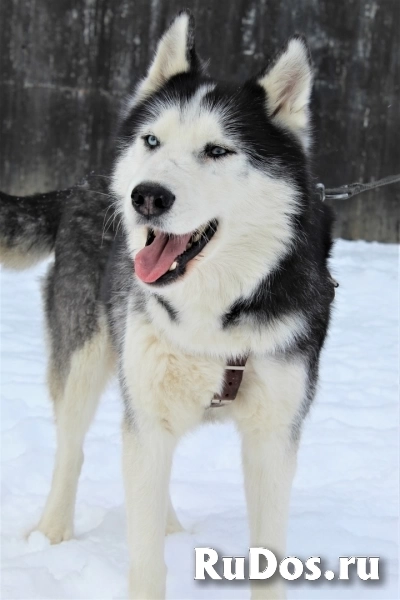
<point>165,256</point>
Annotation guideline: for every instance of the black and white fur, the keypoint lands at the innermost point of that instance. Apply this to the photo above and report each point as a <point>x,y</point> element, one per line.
<point>259,287</point>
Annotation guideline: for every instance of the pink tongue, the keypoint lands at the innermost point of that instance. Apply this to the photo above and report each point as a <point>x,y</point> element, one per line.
<point>153,261</point>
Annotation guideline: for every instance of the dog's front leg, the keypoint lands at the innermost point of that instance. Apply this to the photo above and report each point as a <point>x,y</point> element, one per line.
<point>147,456</point>
<point>166,394</point>
<point>269,466</point>
<point>267,414</point>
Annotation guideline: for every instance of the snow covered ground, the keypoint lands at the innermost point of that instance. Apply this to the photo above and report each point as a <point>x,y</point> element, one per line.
<point>345,498</point>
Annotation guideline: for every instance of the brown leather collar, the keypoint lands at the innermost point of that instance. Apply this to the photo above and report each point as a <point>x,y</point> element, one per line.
<point>233,378</point>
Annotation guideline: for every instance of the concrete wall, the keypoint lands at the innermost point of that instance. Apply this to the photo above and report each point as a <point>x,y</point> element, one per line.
<point>65,65</point>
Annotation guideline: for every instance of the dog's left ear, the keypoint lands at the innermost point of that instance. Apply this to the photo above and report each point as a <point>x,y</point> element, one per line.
<point>175,54</point>
<point>287,82</point>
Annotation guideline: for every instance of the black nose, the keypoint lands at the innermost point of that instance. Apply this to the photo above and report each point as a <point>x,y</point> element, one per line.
<point>151,199</point>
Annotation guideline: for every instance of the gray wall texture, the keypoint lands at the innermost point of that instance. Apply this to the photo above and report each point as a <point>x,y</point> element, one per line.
<point>66,65</point>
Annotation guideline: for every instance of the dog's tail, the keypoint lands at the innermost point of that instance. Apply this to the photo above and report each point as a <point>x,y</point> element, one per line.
<point>28,227</point>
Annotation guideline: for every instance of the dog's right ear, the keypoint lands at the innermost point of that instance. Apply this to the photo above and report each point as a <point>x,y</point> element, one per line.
<point>175,54</point>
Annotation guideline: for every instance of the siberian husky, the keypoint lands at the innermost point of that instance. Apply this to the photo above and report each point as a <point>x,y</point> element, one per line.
<point>221,258</point>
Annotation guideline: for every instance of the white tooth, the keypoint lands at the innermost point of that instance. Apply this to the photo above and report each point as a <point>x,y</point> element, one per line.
<point>197,237</point>
<point>188,245</point>
<point>173,266</point>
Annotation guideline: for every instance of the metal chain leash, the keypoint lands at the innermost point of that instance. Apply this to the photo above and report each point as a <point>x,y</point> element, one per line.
<point>348,191</point>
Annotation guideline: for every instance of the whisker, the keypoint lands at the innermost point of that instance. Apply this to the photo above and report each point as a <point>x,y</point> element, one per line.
<point>117,213</point>
<point>106,213</point>
<point>100,193</point>
<point>119,223</point>
<point>110,219</point>
<point>106,225</point>
<point>98,175</point>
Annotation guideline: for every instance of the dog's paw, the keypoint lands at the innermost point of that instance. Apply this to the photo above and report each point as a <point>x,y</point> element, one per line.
<point>268,591</point>
<point>173,526</point>
<point>55,531</point>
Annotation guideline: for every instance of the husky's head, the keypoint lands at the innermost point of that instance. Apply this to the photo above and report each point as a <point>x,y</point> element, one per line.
<point>212,173</point>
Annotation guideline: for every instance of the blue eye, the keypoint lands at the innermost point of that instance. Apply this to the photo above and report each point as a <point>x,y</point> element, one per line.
<point>151,141</point>
<point>216,151</point>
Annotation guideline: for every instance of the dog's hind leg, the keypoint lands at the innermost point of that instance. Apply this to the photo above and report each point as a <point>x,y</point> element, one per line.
<point>75,399</point>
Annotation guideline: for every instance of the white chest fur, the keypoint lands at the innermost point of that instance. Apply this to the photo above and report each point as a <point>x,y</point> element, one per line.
<point>198,328</point>
<point>177,385</point>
